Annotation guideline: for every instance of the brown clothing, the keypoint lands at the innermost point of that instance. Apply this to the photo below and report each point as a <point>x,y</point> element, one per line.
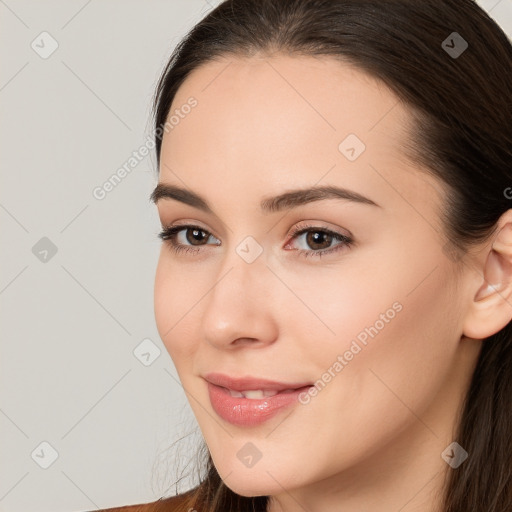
<point>179,503</point>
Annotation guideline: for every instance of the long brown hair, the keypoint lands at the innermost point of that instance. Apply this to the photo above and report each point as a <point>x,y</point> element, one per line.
<point>462,135</point>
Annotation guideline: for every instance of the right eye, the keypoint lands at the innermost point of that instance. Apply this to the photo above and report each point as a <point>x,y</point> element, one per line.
<point>177,241</point>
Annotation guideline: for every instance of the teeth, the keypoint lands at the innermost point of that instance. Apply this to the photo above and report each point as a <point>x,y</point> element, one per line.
<point>236,394</point>
<point>256,394</point>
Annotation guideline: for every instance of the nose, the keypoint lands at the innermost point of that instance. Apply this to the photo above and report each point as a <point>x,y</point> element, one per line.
<point>239,310</point>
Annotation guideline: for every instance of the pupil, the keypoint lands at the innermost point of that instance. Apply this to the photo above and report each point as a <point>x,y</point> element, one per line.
<point>195,233</point>
<point>315,237</point>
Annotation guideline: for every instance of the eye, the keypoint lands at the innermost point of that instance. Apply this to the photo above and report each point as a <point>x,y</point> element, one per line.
<point>190,238</point>
<point>320,239</point>
<point>195,235</point>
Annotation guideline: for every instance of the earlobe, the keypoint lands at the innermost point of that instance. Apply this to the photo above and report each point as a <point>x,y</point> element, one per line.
<point>491,307</point>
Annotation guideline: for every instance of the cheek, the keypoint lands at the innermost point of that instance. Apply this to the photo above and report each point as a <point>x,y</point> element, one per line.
<point>397,345</point>
<point>175,301</point>
<point>392,322</point>
<point>401,366</point>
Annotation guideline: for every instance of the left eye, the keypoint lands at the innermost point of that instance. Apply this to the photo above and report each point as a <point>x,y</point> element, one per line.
<point>319,239</point>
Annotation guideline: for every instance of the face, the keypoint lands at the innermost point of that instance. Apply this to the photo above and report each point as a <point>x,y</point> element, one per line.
<point>354,298</point>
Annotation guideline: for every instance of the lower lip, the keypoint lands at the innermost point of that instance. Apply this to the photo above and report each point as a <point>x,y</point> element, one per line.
<point>247,412</point>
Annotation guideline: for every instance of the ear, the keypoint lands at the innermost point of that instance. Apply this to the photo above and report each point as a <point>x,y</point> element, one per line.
<point>491,307</point>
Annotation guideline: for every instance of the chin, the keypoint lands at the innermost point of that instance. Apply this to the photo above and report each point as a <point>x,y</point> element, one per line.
<point>250,488</point>
<point>256,481</point>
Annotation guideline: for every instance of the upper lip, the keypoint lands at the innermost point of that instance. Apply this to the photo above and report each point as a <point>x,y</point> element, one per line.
<point>251,383</point>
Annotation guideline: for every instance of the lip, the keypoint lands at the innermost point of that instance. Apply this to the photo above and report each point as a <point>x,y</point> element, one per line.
<point>246,383</point>
<point>246,411</point>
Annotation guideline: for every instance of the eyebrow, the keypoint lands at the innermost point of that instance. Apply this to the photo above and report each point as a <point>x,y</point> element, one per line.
<point>285,201</point>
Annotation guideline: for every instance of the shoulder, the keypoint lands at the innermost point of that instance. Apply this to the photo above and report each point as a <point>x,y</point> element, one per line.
<point>178,503</point>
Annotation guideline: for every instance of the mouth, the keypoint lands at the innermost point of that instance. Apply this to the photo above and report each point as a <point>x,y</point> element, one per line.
<point>250,401</point>
<point>257,394</point>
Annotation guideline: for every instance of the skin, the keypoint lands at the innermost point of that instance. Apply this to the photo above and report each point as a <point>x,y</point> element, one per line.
<point>372,438</point>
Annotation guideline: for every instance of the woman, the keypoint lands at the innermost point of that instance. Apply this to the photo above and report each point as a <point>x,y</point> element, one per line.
<point>335,282</point>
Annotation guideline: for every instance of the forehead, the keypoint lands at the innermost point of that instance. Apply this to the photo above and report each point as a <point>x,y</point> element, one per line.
<point>268,122</point>
<point>285,98</point>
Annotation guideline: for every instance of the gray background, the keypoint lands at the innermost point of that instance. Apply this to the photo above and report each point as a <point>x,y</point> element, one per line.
<point>72,320</point>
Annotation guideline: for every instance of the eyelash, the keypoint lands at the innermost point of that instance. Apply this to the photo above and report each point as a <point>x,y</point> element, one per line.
<point>168,235</point>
